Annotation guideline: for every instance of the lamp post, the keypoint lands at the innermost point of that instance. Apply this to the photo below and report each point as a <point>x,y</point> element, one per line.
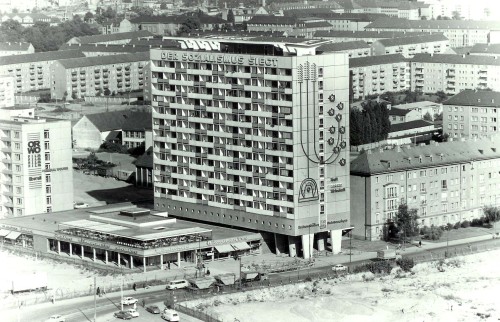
<point>95,299</point>
<point>447,236</point>
<point>350,247</point>
<point>121,293</point>
<point>238,258</point>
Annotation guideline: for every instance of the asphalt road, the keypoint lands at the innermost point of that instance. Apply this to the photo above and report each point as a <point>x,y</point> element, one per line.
<point>106,306</point>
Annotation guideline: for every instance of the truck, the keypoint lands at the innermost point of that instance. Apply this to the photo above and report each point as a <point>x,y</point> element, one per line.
<point>253,276</point>
<point>29,282</point>
<point>388,254</point>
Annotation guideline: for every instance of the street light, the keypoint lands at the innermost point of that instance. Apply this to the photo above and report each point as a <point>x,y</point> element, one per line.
<point>238,257</point>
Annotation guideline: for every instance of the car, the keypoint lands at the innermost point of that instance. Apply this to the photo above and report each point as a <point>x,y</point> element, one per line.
<point>80,205</point>
<point>339,268</point>
<point>129,301</point>
<point>123,315</point>
<point>170,315</point>
<point>56,318</point>
<point>133,312</point>
<point>153,309</point>
<point>177,284</point>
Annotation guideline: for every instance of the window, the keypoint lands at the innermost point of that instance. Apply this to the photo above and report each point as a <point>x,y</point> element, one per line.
<point>47,178</point>
<point>19,201</point>
<point>47,145</point>
<point>444,184</point>
<point>48,189</point>
<point>46,134</point>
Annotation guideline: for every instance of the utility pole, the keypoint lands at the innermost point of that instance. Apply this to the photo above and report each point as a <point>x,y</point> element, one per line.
<point>350,247</point>
<point>95,298</point>
<point>447,236</point>
<point>121,291</point>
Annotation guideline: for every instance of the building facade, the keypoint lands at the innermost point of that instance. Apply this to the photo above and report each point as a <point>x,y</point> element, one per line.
<point>446,182</point>
<point>92,76</point>
<point>410,46</point>
<point>454,73</point>
<point>231,145</point>
<point>472,114</point>
<point>376,75</point>
<point>6,91</point>
<point>16,48</point>
<point>36,166</point>
<point>31,72</point>
<point>369,37</point>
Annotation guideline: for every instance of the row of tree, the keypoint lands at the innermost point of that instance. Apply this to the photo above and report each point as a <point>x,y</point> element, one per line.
<point>42,35</point>
<point>370,124</point>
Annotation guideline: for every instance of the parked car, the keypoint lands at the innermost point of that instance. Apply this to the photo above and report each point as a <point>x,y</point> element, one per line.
<point>56,318</point>
<point>153,309</point>
<point>80,205</point>
<point>170,315</point>
<point>339,268</point>
<point>133,312</point>
<point>123,315</point>
<point>129,301</point>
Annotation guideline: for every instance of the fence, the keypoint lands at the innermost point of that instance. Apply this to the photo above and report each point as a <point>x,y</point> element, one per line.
<point>109,99</point>
<point>196,314</point>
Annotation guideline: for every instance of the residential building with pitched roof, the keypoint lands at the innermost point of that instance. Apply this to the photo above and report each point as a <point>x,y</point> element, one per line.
<point>113,39</point>
<point>116,26</point>
<point>26,19</point>
<point>472,114</point>
<point>375,75</point>
<point>354,49</point>
<point>410,46</point>
<point>271,23</point>
<point>422,107</point>
<point>461,33</point>
<point>31,72</point>
<point>137,130</point>
<point>453,73</point>
<point>446,182</point>
<point>397,115</point>
<point>16,48</point>
<point>91,76</point>
<point>93,129</point>
<point>367,36</point>
<point>492,50</point>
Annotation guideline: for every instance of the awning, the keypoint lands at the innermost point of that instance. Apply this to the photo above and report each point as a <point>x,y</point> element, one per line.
<point>240,246</point>
<point>13,235</point>
<point>4,232</point>
<point>224,248</point>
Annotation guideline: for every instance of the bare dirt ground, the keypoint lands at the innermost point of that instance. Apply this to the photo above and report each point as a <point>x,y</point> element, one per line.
<point>460,289</point>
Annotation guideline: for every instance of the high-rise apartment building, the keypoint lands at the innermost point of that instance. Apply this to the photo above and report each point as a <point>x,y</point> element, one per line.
<point>254,134</point>
<point>35,166</point>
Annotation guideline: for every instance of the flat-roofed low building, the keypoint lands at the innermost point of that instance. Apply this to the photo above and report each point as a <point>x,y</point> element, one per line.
<point>415,130</point>
<point>397,115</point>
<point>423,108</point>
<point>409,46</point>
<point>91,76</point>
<point>127,237</point>
<point>376,75</point>
<point>112,39</point>
<point>454,73</point>
<point>472,114</point>
<point>446,182</point>
<point>31,72</point>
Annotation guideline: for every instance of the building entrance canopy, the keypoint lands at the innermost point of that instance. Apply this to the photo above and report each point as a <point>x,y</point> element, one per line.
<point>4,232</point>
<point>13,235</point>
<point>240,246</point>
<point>224,248</point>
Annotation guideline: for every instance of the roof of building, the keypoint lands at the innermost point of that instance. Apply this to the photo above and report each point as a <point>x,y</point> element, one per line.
<point>405,158</point>
<point>475,98</point>
<point>138,121</point>
<point>43,56</point>
<point>398,23</point>
<point>105,48</point>
<point>412,40</point>
<point>107,121</point>
<point>316,24</point>
<point>14,46</point>
<point>419,104</point>
<point>409,125</point>
<point>145,160</point>
<point>485,49</point>
<point>366,34</point>
<point>104,60</point>
<point>342,46</point>
<point>455,59</point>
<point>155,42</point>
<point>376,60</point>
<point>398,112</point>
<point>113,37</point>
<point>157,19</point>
<point>271,20</point>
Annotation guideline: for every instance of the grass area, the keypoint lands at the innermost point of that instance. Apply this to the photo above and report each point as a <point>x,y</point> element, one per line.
<point>461,233</point>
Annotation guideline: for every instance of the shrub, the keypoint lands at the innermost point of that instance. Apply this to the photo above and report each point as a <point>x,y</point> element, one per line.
<point>477,222</point>
<point>457,225</point>
<point>424,230</point>
<point>449,226</point>
<point>406,264</point>
<point>434,233</point>
<point>465,224</point>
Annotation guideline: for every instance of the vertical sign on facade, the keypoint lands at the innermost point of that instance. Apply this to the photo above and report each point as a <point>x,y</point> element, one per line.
<point>34,161</point>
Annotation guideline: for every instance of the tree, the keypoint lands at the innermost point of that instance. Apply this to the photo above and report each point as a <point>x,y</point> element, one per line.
<point>142,11</point>
<point>190,23</point>
<point>406,221</point>
<point>230,16</point>
<point>88,16</point>
<point>11,31</point>
<point>455,15</point>
<point>492,214</point>
<point>428,117</point>
<point>410,96</point>
<point>441,96</point>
